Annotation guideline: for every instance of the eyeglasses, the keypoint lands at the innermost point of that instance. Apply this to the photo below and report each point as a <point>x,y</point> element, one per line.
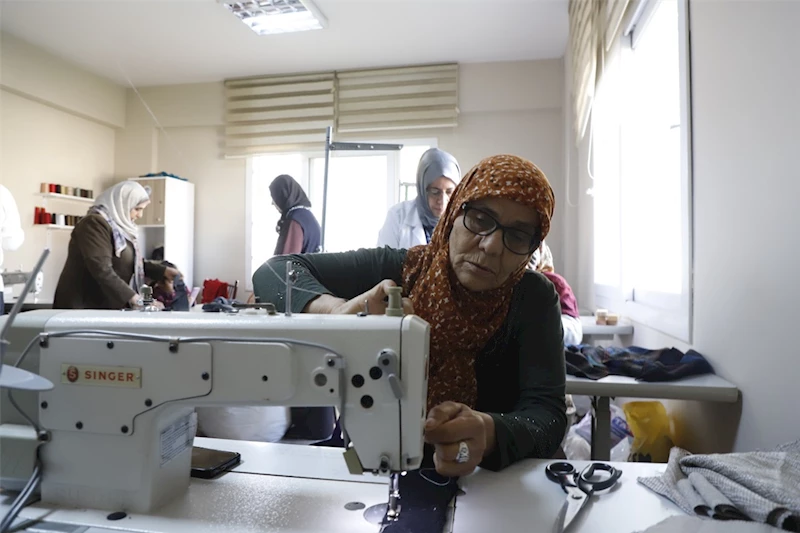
<point>433,192</point>
<point>517,241</point>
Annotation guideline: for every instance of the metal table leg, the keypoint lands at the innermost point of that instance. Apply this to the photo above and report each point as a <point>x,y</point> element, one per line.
<point>601,428</point>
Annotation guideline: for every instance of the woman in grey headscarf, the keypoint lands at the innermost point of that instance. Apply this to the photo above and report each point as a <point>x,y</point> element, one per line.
<point>105,268</point>
<point>411,223</point>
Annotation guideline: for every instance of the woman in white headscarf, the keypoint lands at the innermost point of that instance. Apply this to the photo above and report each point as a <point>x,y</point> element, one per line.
<point>411,223</point>
<point>105,268</point>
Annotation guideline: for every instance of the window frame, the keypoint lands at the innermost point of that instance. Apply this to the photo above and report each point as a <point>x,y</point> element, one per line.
<point>671,314</point>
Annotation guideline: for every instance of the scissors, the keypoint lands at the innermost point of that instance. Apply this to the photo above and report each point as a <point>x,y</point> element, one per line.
<point>579,487</point>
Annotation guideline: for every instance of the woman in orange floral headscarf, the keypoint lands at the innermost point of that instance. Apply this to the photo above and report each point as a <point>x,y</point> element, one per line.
<point>496,372</point>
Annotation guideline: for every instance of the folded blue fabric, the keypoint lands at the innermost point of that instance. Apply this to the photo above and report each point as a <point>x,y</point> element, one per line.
<point>162,174</point>
<point>666,364</point>
<point>220,305</point>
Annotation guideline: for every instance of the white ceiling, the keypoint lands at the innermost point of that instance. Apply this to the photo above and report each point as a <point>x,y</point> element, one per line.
<point>167,42</point>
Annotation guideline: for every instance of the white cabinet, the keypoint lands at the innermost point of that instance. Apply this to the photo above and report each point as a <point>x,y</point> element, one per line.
<point>169,222</point>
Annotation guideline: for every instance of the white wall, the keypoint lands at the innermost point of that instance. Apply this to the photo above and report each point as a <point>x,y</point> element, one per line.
<point>219,238</point>
<point>746,190</point>
<point>41,76</point>
<point>746,111</point>
<point>55,126</point>
<point>505,107</point>
<point>514,108</point>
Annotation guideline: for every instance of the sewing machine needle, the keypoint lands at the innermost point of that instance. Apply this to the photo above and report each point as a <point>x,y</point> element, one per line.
<point>393,508</point>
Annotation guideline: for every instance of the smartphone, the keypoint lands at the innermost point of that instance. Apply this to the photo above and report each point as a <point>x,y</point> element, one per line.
<point>208,463</point>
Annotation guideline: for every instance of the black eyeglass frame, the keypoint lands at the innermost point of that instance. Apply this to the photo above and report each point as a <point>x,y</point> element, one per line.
<point>536,239</point>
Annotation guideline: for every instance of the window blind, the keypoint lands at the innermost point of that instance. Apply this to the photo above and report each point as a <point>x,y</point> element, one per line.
<point>397,98</point>
<point>291,113</point>
<point>583,38</point>
<point>278,113</point>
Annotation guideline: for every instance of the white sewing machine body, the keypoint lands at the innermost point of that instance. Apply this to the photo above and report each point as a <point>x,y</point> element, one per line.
<point>121,410</point>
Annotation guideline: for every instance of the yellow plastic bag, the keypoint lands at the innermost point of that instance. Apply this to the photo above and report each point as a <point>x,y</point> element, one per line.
<point>652,431</point>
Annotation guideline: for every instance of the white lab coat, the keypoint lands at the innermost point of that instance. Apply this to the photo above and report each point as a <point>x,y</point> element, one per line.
<point>573,330</point>
<point>11,234</point>
<point>403,227</point>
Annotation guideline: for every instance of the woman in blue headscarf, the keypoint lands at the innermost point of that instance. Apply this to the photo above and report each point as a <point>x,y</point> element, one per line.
<point>411,223</point>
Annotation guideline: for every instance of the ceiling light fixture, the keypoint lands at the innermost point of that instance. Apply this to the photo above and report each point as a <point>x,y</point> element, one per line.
<point>267,17</point>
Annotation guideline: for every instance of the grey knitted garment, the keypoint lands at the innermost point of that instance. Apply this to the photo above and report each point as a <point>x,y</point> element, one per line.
<point>763,486</point>
<point>690,524</point>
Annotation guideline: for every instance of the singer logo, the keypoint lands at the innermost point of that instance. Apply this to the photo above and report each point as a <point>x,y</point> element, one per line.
<point>72,374</point>
<point>102,376</point>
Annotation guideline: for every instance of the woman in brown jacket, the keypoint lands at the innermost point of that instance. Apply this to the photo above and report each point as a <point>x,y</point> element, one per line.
<point>105,268</point>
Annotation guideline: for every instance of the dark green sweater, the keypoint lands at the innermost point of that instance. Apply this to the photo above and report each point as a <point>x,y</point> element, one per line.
<point>520,372</point>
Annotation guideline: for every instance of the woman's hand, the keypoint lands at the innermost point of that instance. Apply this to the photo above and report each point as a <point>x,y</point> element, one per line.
<point>135,301</point>
<point>376,299</point>
<point>448,425</point>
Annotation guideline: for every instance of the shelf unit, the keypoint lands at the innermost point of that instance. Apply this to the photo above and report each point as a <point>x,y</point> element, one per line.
<point>169,222</point>
<point>58,197</point>
<point>56,226</point>
<point>66,197</point>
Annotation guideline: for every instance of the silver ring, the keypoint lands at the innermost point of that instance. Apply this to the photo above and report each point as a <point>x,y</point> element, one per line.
<point>463,452</point>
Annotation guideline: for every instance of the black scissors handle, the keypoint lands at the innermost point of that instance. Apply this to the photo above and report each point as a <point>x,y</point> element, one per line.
<point>585,480</point>
<point>566,475</point>
<point>560,471</point>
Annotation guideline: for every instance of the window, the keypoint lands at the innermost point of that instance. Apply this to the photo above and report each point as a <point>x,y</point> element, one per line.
<point>362,186</point>
<point>359,189</point>
<point>641,166</point>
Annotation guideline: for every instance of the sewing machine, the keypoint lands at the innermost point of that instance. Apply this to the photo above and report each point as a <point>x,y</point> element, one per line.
<point>119,421</point>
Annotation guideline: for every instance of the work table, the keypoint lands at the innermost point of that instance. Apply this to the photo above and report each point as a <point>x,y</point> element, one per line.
<point>298,489</point>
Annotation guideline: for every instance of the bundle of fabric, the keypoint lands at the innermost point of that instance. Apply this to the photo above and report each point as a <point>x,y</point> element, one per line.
<point>759,486</point>
<point>220,305</point>
<point>213,288</point>
<point>667,364</point>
